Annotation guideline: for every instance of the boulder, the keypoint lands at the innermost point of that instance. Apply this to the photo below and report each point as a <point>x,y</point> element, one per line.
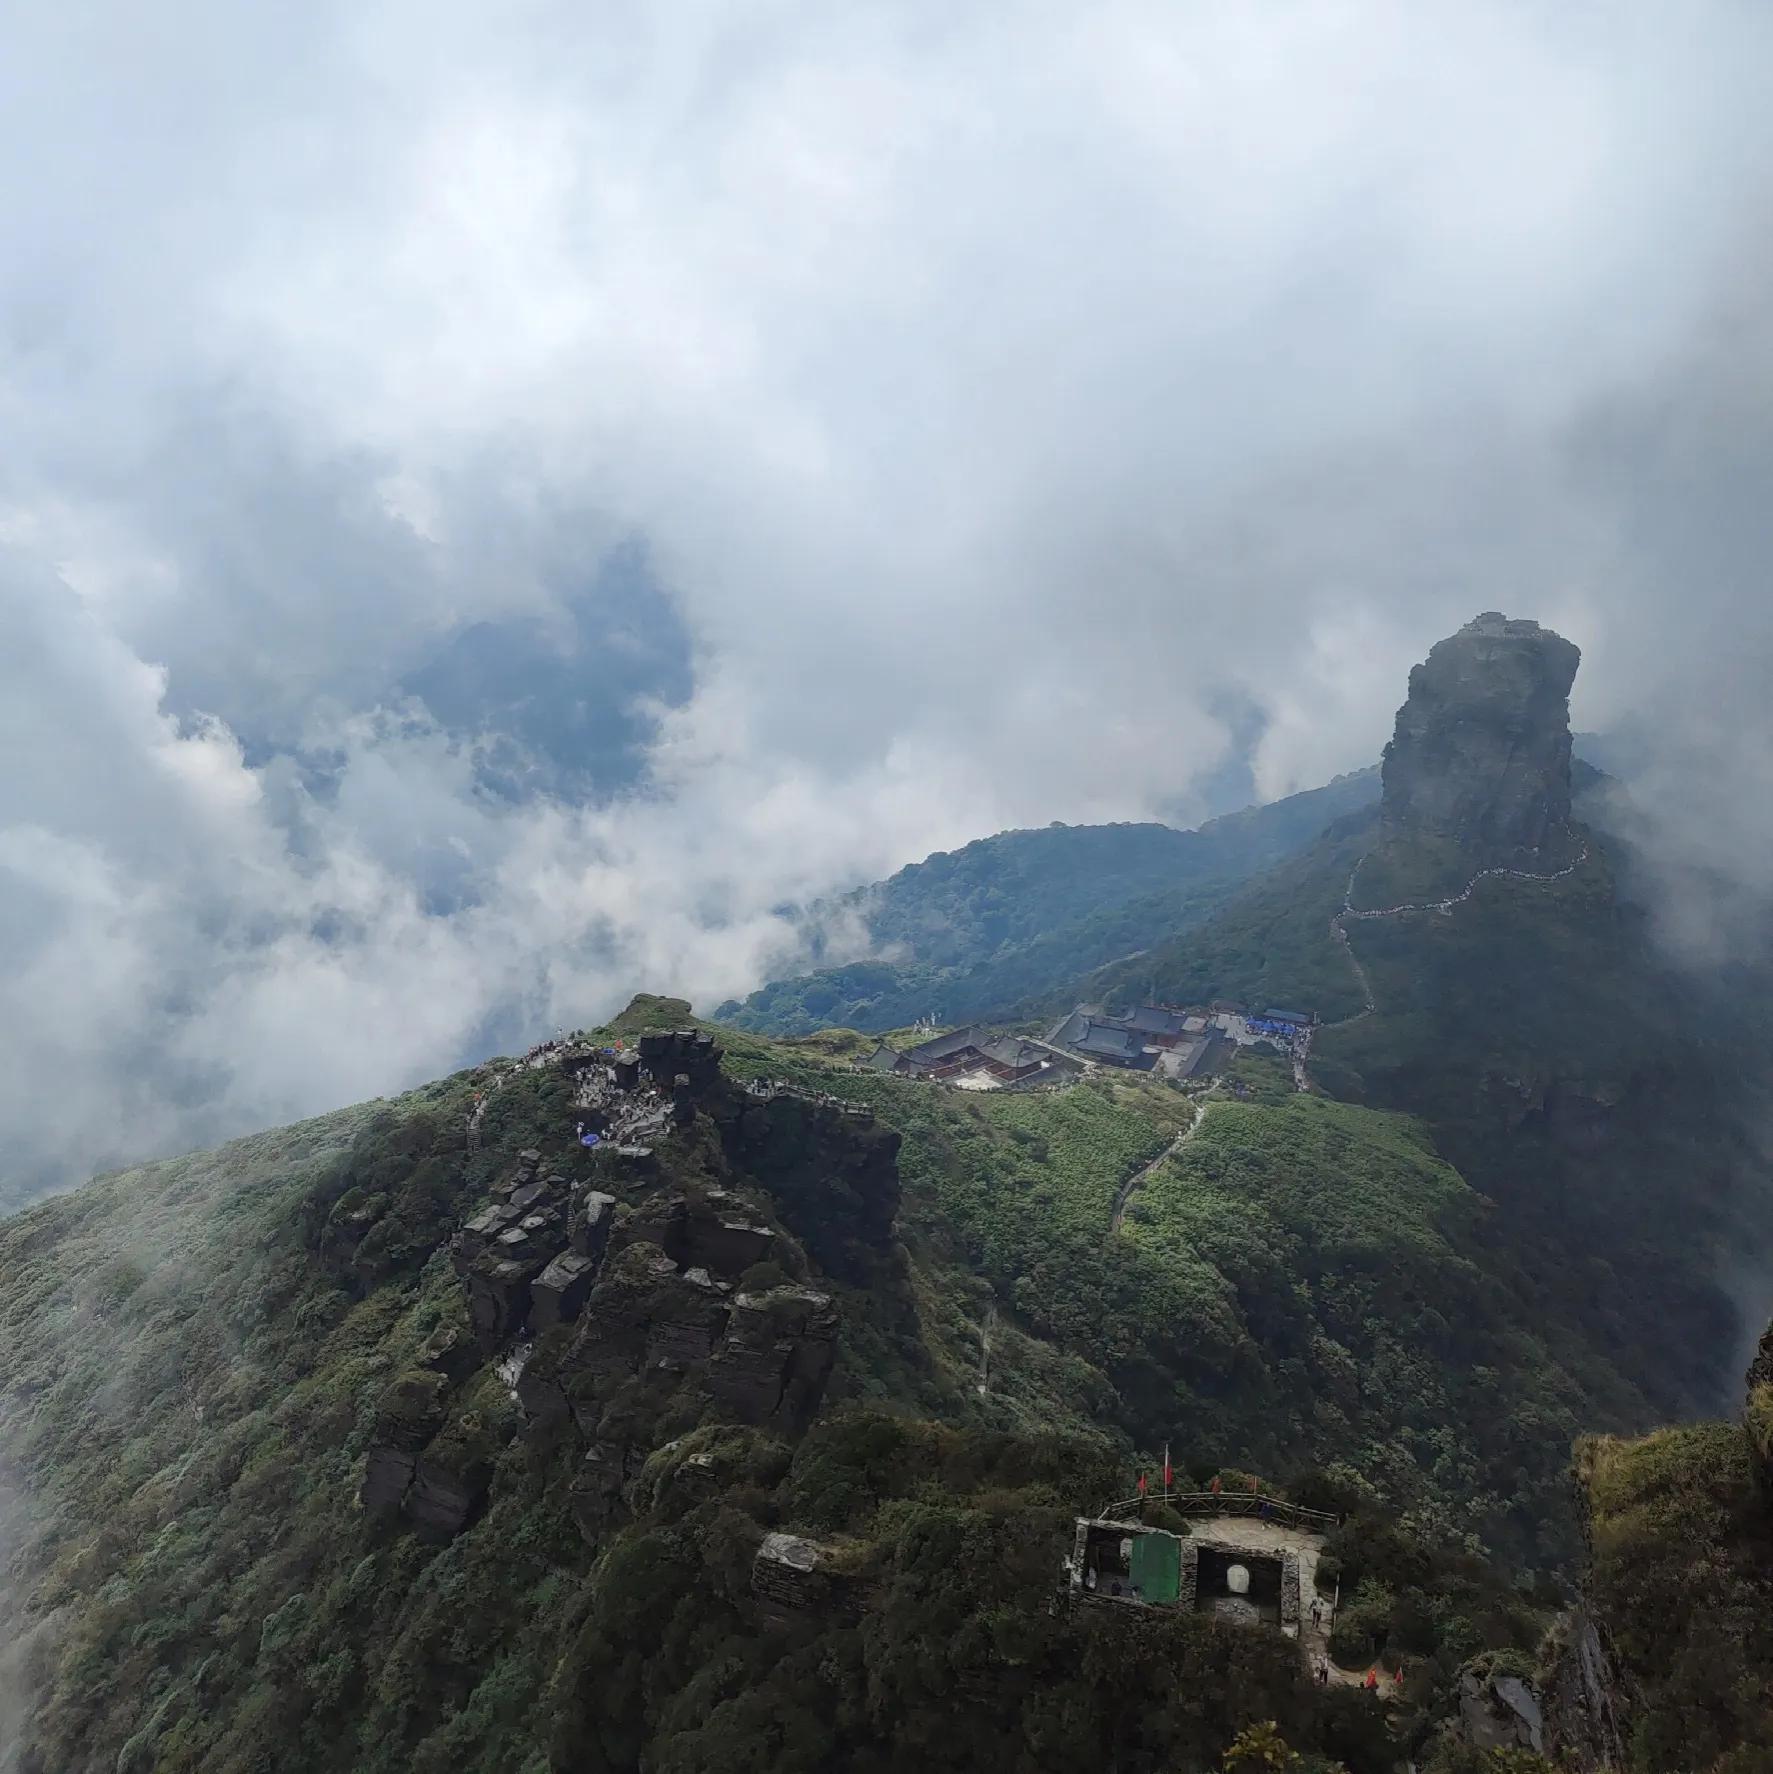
<point>723,1238</point>
<point>352,1217</point>
<point>450,1351</point>
<point>528,1162</point>
<point>477,1235</point>
<point>1500,1712</point>
<point>792,1577</point>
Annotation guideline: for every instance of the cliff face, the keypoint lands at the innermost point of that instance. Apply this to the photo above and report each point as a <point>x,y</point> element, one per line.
<point>1668,1661</point>
<point>1758,1415</point>
<point>1481,753</point>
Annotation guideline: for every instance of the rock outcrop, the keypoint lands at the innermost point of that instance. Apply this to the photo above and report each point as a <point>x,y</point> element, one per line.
<point>1500,1712</point>
<point>1758,1417</point>
<point>833,1174</point>
<point>1584,1708</point>
<point>648,1278</point>
<point>1481,753</point>
<point>794,1578</point>
<point>409,1414</point>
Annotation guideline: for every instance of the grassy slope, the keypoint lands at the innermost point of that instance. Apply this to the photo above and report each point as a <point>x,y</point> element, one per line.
<point>1307,1283</point>
<point>188,1399</point>
<point>1339,1257</point>
<point>1682,1577</point>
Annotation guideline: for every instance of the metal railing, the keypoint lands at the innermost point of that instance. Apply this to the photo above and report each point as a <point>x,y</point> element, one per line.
<point>1254,1503</point>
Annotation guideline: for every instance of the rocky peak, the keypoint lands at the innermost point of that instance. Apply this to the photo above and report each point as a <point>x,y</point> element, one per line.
<point>1481,753</point>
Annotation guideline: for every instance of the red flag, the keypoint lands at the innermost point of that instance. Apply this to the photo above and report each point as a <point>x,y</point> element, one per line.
<point>1141,1484</point>
<point>1168,1474</point>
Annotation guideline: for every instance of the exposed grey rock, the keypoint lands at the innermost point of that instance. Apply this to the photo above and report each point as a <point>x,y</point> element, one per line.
<point>1500,1712</point>
<point>543,1395</point>
<point>792,1576</point>
<point>447,1491</point>
<point>478,1234</point>
<point>450,1351</point>
<point>408,1415</point>
<point>590,1221</point>
<point>726,1242</point>
<point>691,1319</point>
<point>527,1164</point>
<point>1481,753</point>
<point>498,1297</point>
<point>558,1294</point>
<point>597,1490</point>
<point>1585,1705</point>
<point>387,1472</point>
<point>785,1575</point>
<point>776,1356</point>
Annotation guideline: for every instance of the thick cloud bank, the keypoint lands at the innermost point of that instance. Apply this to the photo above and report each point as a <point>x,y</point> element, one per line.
<point>496,502</point>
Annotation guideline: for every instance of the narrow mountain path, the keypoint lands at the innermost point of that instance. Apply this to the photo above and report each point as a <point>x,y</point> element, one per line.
<point>985,1347</point>
<point>1339,928</point>
<point>1137,1180</point>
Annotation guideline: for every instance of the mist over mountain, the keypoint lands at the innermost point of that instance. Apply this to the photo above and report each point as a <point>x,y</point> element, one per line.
<point>803,969</point>
<point>1014,426</point>
<point>637,1402</point>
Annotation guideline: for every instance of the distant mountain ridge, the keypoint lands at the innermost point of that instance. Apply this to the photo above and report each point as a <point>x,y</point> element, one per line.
<point>975,931</point>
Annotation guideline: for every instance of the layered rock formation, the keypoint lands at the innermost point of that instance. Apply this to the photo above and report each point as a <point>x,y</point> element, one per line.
<point>1481,754</point>
<point>630,1287</point>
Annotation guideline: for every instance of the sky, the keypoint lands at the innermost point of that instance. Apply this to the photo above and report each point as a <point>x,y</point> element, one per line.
<point>496,503</point>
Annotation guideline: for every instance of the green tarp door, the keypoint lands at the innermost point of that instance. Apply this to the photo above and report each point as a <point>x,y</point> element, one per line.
<point>1157,1566</point>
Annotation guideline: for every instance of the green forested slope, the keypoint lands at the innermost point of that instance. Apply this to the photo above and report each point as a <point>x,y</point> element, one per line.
<point>188,1390</point>
<point>970,932</point>
<point>1681,1576</point>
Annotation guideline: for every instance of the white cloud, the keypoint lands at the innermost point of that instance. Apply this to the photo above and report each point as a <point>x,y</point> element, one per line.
<point>1001,393</point>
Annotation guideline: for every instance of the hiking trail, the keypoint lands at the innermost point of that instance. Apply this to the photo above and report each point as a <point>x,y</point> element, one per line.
<point>1339,928</point>
<point>1136,1181</point>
